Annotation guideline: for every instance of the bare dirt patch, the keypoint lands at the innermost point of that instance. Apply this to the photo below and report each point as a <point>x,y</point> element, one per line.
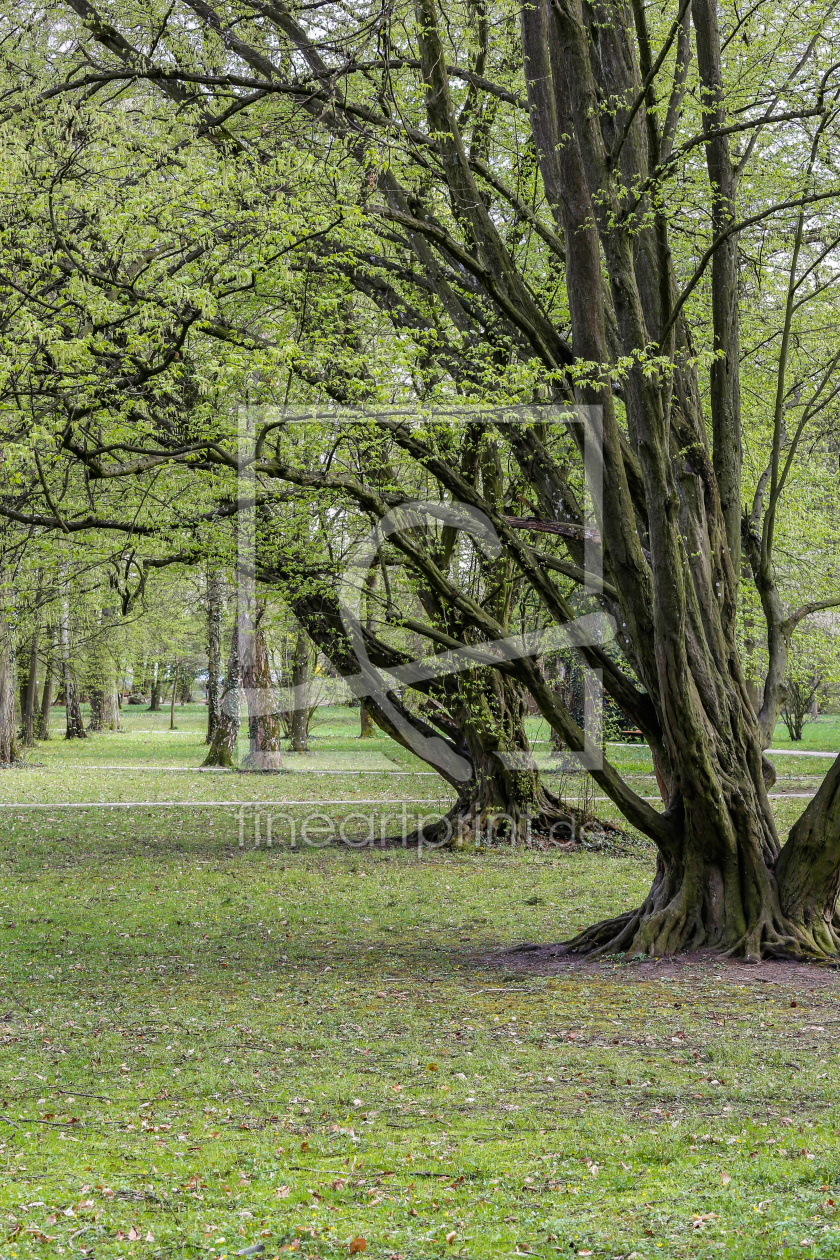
<point>549,960</point>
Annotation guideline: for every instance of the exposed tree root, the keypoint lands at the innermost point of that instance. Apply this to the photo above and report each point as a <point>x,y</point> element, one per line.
<point>469,825</point>
<point>657,933</point>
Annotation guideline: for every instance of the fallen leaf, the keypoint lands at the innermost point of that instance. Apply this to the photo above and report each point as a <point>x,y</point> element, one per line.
<point>357,1245</point>
<point>150,1237</point>
<point>282,1192</point>
<point>133,1234</point>
<point>431,1067</point>
<point>451,1236</point>
<point>725,1179</point>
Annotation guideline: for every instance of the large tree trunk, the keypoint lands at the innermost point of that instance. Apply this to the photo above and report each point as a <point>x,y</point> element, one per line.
<point>715,884</point>
<point>808,870</point>
<point>223,744</point>
<point>264,728</point>
<point>737,898</point>
<point>110,717</point>
<point>9,752</point>
<point>367,726</point>
<point>214,651</point>
<point>505,799</point>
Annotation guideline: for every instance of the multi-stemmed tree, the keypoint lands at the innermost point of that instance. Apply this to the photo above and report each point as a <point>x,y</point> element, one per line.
<point>567,202</point>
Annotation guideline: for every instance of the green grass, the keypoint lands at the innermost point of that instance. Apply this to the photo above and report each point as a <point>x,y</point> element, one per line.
<point>821,735</point>
<point>206,1049</point>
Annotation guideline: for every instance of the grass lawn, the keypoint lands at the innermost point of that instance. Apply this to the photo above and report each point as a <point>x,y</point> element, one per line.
<point>207,1050</point>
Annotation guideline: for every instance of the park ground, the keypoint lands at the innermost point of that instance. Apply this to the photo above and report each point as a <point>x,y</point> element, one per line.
<point>209,1050</point>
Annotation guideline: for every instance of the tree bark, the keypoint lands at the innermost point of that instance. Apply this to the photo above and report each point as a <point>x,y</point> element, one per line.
<point>505,800</point>
<point>725,372</point>
<point>97,697</point>
<point>300,715</point>
<point>808,871</point>
<point>214,646</point>
<point>75,727</point>
<point>157,683</point>
<point>111,708</point>
<point>367,726</point>
<point>173,698</point>
<point>223,744</point>
<point>46,695</point>
<point>31,693</point>
<point>9,751</point>
<point>264,729</point>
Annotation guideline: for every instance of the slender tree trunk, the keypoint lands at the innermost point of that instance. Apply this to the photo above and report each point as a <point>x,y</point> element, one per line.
<point>157,683</point>
<point>299,720</point>
<point>46,695</point>
<point>223,744</point>
<point>367,727</point>
<point>73,709</point>
<point>214,643</point>
<point>172,701</point>
<point>31,693</point>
